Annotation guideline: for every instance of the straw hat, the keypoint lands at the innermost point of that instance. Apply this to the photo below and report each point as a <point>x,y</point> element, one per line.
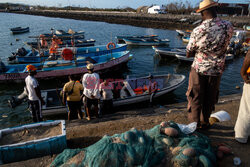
<point>90,66</point>
<point>205,4</point>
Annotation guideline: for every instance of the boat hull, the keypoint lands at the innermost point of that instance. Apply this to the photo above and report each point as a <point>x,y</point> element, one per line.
<point>20,30</point>
<point>80,52</point>
<point>100,67</point>
<point>174,84</point>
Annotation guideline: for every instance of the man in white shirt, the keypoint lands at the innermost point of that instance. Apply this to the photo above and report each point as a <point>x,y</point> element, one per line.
<point>34,94</point>
<point>90,82</point>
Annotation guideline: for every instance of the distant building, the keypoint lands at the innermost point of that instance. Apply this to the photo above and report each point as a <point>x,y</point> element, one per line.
<point>233,9</point>
<point>142,9</point>
<point>157,10</point>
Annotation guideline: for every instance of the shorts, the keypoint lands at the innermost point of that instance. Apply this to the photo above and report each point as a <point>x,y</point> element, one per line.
<point>90,102</point>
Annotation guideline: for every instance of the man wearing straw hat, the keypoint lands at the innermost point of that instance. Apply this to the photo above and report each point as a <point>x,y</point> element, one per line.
<point>34,94</point>
<point>208,44</point>
<point>91,92</point>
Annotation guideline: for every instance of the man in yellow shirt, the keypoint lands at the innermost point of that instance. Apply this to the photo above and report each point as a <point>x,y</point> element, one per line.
<point>72,93</point>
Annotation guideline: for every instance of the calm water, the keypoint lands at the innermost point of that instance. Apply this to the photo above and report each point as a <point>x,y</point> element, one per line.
<point>144,60</point>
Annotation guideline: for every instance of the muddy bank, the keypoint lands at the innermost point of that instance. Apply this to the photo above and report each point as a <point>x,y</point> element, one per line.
<point>81,133</point>
<point>166,21</point>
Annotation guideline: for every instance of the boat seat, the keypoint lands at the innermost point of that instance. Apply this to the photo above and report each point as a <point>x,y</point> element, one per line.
<point>130,90</point>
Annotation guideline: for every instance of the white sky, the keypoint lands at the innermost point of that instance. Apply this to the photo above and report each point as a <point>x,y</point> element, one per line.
<point>108,3</point>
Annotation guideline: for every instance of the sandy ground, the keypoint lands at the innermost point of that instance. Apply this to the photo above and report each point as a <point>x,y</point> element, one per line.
<point>81,133</point>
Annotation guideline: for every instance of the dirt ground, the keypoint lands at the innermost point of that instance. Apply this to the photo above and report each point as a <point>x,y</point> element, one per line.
<point>81,133</point>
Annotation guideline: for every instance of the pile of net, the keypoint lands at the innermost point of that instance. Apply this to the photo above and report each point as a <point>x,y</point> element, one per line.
<point>163,145</point>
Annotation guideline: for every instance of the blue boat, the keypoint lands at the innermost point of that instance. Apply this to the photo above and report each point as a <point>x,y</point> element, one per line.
<point>24,56</point>
<point>13,150</point>
<point>77,43</point>
<point>186,39</point>
<point>63,68</point>
<point>121,37</point>
<point>147,42</point>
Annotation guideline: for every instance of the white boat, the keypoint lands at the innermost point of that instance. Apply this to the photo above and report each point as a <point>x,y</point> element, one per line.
<point>182,57</point>
<point>135,92</point>
<point>169,52</point>
<point>147,42</point>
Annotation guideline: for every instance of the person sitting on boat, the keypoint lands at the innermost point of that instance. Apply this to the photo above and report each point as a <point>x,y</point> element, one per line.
<point>43,42</point>
<point>53,48</point>
<point>152,86</point>
<point>106,96</point>
<point>71,94</point>
<point>34,94</point>
<point>91,92</point>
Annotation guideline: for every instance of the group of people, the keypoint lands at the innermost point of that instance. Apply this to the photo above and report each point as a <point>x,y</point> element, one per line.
<point>208,44</point>
<point>91,96</point>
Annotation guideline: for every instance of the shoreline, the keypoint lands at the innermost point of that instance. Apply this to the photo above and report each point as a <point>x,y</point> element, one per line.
<point>81,133</point>
<point>159,21</point>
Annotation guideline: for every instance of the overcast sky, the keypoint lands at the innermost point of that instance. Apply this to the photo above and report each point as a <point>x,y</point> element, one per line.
<point>107,3</point>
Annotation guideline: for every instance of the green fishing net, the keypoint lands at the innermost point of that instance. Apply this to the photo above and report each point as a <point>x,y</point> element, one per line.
<point>147,148</point>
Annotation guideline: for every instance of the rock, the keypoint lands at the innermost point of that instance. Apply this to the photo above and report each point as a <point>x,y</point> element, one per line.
<point>189,152</point>
<point>171,132</point>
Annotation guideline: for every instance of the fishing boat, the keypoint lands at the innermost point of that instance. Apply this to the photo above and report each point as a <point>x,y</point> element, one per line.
<point>62,68</point>
<point>185,39</point>
<point>23,56</point>
<point>61,34</point>
<point>135,92</point>
<point>67,43</point>
<point>168,52</point>
<point>183,33</point>
<point>147,42</point>
<point>19,30</point>
<point>120,38</point>
<point>32,141</point>
<point>182,57</point>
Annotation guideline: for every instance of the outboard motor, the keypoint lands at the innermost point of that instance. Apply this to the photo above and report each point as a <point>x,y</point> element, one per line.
<point>22,51</point>
<point>16,101</point>
<point>12,57</point>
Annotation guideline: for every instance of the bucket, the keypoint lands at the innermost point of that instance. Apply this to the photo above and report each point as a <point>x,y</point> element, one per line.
<point>221,116</point>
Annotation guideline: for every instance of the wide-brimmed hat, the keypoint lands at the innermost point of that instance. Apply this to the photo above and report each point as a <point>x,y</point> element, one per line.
<point>205,4</point>
<point>30,68</point>
<point>90,66</point>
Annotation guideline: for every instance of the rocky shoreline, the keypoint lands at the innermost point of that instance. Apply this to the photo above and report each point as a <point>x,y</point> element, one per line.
<point>164,21</point>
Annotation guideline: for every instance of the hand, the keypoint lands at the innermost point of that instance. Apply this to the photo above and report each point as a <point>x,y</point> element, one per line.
<point>247,81</point>
<point>42,102</point>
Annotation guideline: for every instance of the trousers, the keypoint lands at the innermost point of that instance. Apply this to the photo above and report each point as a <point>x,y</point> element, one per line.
<point>202,95</point>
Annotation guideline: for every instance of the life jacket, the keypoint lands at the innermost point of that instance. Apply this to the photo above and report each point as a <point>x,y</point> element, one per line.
<point>53,48</point>
<point>67,54</point>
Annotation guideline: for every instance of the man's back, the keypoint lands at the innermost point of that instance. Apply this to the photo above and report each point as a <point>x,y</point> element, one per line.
<point>31,84</point>
<point>210,41</point>
<point>91,85</point>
